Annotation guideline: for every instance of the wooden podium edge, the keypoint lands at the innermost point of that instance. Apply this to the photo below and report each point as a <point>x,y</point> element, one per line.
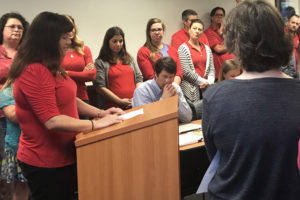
<point>133,123</point>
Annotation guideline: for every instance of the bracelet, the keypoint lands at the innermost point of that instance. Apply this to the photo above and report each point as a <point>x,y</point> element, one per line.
<point>92,124</point>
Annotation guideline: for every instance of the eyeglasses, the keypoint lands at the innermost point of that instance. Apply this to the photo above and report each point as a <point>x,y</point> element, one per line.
<point>219,15</point>
<point>156,30</point>
<point>19,27</point>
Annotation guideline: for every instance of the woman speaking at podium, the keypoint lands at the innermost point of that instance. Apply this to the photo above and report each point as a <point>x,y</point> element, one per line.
<point>47,109</point>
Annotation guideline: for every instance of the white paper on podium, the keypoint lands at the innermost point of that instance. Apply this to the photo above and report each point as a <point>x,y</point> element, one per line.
<point>189,127</point>
<point>132,114</point>
<point>189,138</point>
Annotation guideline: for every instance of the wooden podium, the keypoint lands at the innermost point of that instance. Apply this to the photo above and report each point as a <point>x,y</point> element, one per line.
<point>137,159</point>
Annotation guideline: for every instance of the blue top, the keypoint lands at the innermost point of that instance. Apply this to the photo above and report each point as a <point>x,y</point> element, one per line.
<point>149,91</point>
<point>164,51</point>
<point>13,131</point>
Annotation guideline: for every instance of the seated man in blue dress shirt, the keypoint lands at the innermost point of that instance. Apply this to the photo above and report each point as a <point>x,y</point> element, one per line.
<point>161,87</point>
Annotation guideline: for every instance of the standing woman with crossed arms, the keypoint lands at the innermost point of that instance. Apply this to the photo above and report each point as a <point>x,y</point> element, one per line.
<point>78,63</point>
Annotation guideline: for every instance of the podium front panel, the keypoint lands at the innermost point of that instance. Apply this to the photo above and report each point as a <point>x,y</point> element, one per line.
<point>142,164</point>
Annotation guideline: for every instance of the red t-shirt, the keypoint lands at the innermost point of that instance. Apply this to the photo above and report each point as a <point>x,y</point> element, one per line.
<point>38,97</point>
<point>120,82</point>
<point>182,36</point>
<point>214,39</point>
<point>146,65</point>
<point>5,64</point>
<point>74,63</point>
<point>198,58</point>
<point>296,45</point>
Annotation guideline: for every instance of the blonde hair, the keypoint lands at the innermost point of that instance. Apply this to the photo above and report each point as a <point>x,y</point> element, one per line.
<point>7,83</point>
<point>226,67</point>
<point>77,44</point>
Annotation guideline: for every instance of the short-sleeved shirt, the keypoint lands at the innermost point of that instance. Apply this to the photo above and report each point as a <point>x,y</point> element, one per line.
<point>40,96</point>
<point>215,39</point>
<point>13,130</point>
<point>183,36</point>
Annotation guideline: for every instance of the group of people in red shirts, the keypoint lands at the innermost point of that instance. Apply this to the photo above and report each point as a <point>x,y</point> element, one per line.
<point>50,100</point>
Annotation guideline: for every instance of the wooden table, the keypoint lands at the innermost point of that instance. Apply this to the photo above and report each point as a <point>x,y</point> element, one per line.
<point>193,165</point>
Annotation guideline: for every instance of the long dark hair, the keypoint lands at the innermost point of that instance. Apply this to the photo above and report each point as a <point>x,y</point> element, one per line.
<point>41,44</point>
<point>105,52</point>
<point>4,19</point>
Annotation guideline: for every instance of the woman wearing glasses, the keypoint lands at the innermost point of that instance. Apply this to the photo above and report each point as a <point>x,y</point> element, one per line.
<point>215,38</point>
<point>154,49</point>
<point>12,28</point>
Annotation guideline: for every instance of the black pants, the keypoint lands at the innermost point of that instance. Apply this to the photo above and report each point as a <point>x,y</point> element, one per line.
<point>51,183</point>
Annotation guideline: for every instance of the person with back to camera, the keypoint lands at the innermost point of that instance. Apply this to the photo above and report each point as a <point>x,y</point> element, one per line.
<point>78,63</point>
<point>253,120</point>
<point>47,109</point>
<point>197,67</point>
<point>154,49</point>
<point>182,35</point>
<point>229,69</point>
<point>13,27</point>
<point>117,74</point>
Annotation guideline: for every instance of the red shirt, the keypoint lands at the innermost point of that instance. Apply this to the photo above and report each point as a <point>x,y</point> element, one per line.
<point>120,82</point>
<point>182,36</point>
<point>38,97</point>
<point>146,65</point>
<point>214,39</point>
<point>296,45</point>
<point>198,59</point>
<point>5,64</point>
<point>74,63</point>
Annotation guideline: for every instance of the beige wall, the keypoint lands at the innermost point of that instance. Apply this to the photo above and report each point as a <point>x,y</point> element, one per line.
<point>94,17</point>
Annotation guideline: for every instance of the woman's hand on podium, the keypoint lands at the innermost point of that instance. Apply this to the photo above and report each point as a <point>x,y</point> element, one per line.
<point>107,120</point>
<point>112,111</point>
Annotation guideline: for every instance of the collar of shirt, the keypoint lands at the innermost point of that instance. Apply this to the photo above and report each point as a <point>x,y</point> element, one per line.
<point>155,88</point>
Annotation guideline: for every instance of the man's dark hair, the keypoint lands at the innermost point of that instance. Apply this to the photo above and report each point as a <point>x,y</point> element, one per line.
<point>292,15</point>
<point>186,13</point>
<point>214,10</point>
<point>167,64</point>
